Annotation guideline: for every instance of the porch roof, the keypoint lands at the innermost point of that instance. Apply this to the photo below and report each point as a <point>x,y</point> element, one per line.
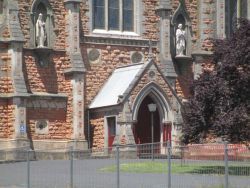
<point>116,85</point>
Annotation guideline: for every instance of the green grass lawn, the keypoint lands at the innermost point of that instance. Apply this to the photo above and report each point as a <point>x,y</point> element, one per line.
<point>160,167</point>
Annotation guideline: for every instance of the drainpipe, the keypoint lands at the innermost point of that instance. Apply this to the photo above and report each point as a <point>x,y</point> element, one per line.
<point>88,124</point>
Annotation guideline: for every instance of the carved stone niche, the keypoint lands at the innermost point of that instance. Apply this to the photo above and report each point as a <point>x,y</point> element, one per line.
<point>181,17</point>
<point>45,21</point>
<point>43,56</point>
<point>181,28</point>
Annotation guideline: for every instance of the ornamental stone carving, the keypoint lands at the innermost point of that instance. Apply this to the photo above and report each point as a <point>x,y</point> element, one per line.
<point>40,31</point>
<point>180,41</point>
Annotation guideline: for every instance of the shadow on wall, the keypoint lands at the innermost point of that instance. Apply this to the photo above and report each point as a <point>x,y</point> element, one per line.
<point>40,78</point>
<point>48,76</point>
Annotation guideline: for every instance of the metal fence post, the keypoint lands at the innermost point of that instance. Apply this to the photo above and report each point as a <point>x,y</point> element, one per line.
<point>226,164</point>
<point>118,166</point>
<point>169,164</point>
<point>71,167</point>
<point>28,169</point>
<point>182,155</point>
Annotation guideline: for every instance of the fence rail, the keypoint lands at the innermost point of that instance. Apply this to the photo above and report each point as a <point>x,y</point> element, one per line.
<point>155,165</point>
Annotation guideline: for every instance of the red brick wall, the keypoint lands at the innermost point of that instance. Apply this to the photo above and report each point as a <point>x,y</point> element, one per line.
<point>49,78</point>
<point>151,20</point>
<point>6,118</point>
<point>97,130</point>
<point>84,17</point>
<point>59,126</point>
<point>6,85</point>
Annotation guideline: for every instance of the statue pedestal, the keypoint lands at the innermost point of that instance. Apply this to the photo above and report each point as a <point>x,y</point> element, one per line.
<point>183,63</point>
<point>183,58</point>
<point>43,55</point>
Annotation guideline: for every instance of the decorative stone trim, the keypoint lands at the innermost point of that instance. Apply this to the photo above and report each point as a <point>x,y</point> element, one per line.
<point>42,126</point>
<point>94,55</point>
<point>46,104</point>
<point>137,57</point>
<point>118,41</point>
<point>151,75</point>
<point>107,111</point>
<point>48,95</point>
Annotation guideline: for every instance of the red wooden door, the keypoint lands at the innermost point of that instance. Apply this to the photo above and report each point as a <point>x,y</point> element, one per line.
<point>111,130</point>
<point>167,132</point>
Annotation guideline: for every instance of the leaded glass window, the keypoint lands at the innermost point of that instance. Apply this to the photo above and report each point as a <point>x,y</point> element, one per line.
<point>117,15</point>
<point>1,6</point>
<point>234,9</point>
<point>128,15</point>
<point>113,11</point>
<point>99,14</point>
<point>244,8</point>
<point>231,16</point>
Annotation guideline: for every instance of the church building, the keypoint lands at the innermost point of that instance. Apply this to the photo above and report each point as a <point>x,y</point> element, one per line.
<point>100,73</point>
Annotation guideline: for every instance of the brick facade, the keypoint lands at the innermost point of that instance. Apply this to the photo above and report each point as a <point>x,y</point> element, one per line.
<point>58,83</point>
<point>5,68</point>
<point>7,119</point>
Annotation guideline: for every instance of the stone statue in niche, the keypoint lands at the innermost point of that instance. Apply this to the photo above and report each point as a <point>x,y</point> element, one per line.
<point>180,41</point>
<point>40,31</point>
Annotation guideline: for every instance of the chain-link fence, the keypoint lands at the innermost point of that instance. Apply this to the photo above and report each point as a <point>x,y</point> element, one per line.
<point>155,165</point>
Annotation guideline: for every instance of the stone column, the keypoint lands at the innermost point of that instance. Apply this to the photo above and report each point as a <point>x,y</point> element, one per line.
<point>124,120</point>
<point>165,33</point>
<point>220,18</point>
<point>20,117</point>
<point>77,71</point>
<point>20,94</point>
<point>72,21</point>
<point>164,12</point>
<point>78,107</point>
<point>207,19</point>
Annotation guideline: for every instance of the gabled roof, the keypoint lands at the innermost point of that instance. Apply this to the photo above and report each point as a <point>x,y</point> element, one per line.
<point>117,84</point>
<point>121,83</point>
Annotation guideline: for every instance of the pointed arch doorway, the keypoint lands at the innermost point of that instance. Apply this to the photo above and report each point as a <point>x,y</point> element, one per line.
<point>142,129</point>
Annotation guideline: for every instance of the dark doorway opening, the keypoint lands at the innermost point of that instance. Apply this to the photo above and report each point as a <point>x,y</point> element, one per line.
<point>142,129</point>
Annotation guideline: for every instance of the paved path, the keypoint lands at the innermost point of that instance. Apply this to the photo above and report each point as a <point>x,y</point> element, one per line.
<point>87,174</point>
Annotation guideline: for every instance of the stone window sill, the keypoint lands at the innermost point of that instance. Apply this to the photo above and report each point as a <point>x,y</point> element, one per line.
<point>125,34</point>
